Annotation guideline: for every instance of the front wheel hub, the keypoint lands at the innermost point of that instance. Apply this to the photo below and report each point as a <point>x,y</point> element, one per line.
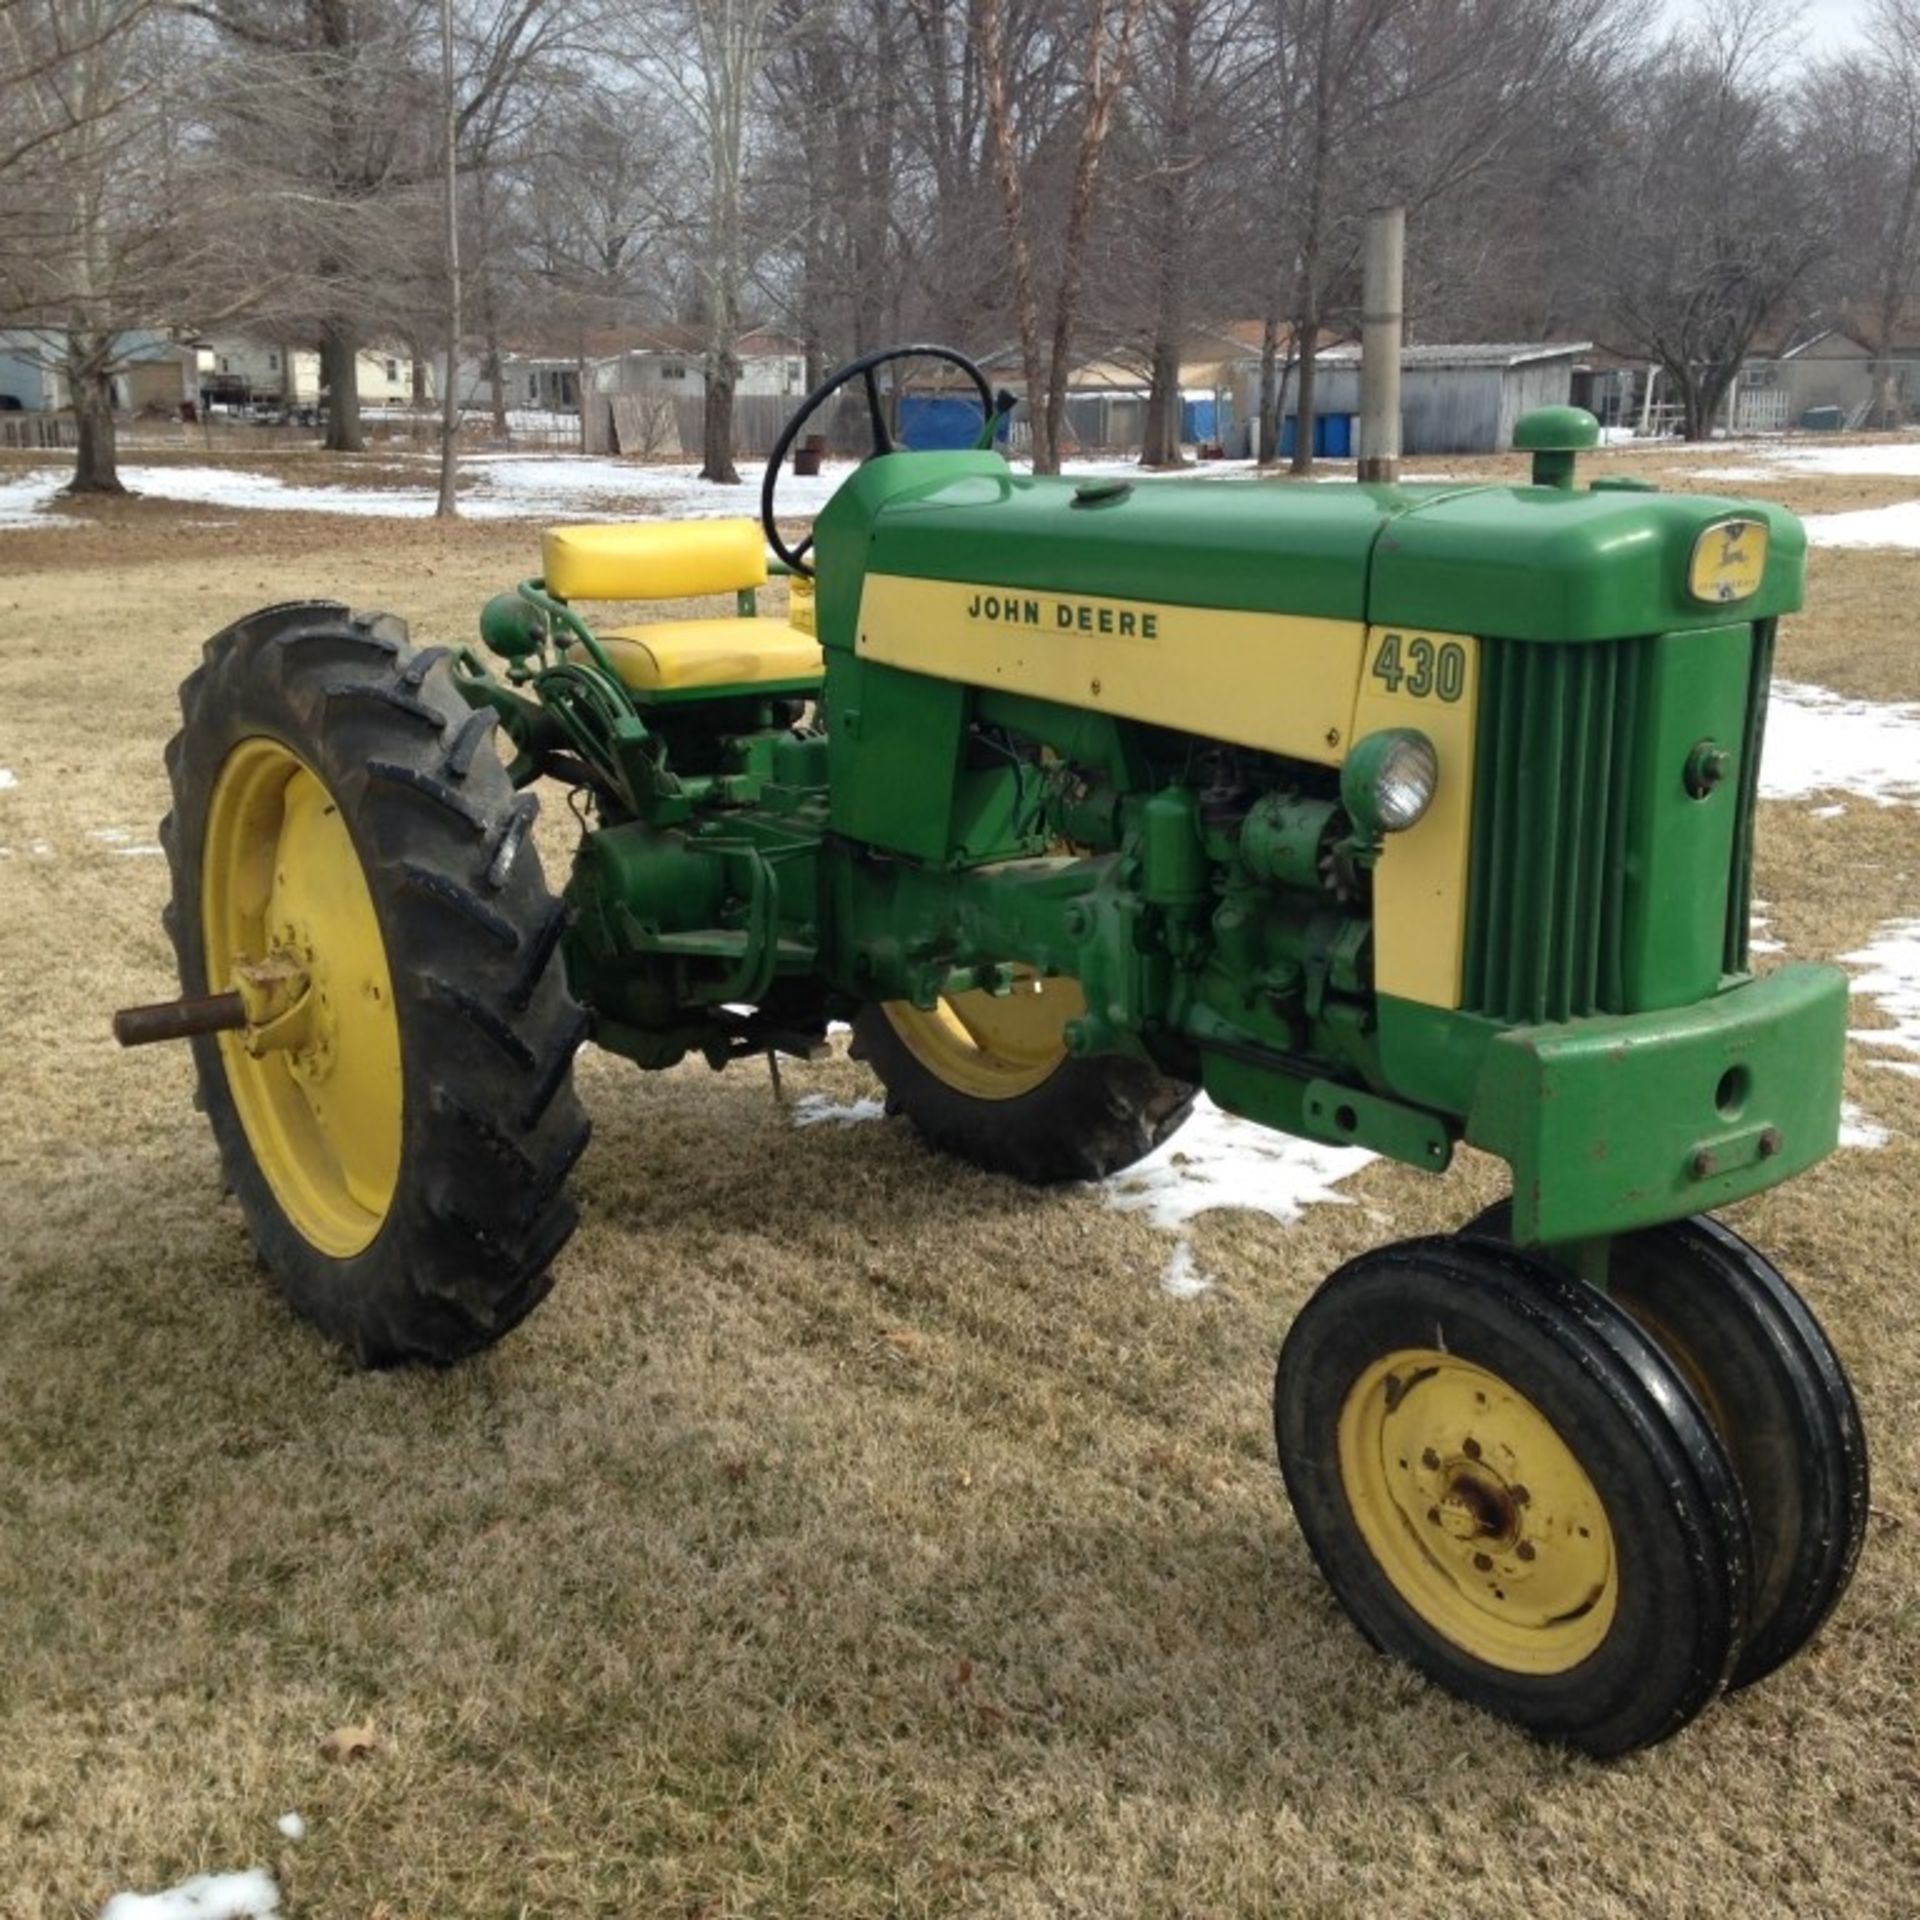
<point>1478,1511</point>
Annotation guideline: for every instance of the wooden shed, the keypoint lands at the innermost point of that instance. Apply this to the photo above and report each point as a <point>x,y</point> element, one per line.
<point>1453,399</point>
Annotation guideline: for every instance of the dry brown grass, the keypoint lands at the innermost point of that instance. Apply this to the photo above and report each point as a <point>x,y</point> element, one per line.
<point>852,1533</point>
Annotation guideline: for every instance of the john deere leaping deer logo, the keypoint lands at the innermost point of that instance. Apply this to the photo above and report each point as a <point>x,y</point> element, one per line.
<point>1729,561</point>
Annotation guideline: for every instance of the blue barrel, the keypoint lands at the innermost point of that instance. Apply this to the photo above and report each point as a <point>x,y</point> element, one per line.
<point>1333,436</point>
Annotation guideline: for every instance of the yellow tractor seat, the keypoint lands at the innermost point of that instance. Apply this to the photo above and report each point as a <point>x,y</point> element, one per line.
<point>656,560</point>
<point>681,560</point>
<point>672,655</point>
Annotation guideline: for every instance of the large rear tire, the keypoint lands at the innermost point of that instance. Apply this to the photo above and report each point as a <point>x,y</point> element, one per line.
<point>988,1078</point>
<point>402,1162</point>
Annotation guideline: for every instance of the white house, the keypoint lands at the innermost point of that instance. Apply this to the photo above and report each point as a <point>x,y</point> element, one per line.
<point>150,370</point>
<point>239,370</point>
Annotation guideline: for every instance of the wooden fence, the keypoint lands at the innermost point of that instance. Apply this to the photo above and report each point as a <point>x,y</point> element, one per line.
<point>37,430</point>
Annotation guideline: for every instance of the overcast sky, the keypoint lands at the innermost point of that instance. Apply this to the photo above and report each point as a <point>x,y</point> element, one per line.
<point>1826,26</point>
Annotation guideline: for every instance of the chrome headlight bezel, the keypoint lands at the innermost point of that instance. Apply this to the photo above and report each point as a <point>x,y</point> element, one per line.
<point>1388,781</point>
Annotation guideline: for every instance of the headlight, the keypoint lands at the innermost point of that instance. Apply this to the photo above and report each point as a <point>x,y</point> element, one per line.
<point>1388,780</point>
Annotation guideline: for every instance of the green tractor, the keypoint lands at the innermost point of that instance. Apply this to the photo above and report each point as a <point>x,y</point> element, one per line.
<point>1388,815</point>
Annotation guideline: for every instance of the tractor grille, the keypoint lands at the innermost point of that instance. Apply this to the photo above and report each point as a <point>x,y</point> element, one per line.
<point>1740,883</point>
<point>1546,906</point>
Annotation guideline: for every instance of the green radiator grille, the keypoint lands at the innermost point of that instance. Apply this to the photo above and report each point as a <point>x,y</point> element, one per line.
<point>1546,905</point>
<point>1740,886</point>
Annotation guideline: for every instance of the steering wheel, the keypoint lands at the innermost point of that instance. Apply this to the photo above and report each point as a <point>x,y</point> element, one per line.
<point>863,368</point>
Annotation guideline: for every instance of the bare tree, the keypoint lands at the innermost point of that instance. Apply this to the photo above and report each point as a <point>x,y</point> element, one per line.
<point>1105,59</point>
<point>708,57</point>
<point>93,242</point>
<point>1860,120</point>
<point>1708,221</point>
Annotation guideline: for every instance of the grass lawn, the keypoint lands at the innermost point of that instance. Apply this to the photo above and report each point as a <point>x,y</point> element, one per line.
<point>852,1533</point>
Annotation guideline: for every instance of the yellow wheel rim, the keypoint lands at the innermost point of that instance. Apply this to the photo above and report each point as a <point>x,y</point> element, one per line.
<point>992,1046</point>
<point>1478,1512</point>
<point>279,875</point>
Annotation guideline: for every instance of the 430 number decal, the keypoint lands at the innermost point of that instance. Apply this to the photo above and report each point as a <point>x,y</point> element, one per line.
<point>1420,667</point>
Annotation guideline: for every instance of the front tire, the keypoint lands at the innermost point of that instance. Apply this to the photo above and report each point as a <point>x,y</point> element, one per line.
<point>337,806</point>
<point>1768,1378</point>
<point>1507,1486</point>
<point>988,1078</point>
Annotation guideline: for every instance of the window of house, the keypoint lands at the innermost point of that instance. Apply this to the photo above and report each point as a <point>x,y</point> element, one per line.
<point>273,363</point>
<point>533,386</point>
<point>794,371</point>
<point>673,370</point>
<point>393,369</point>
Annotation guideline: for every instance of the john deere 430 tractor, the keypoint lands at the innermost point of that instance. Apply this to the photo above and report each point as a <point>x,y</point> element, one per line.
<point>1388,815</point>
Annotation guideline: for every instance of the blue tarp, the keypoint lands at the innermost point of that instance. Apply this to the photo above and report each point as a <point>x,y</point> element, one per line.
<point>941,422</point>
<point>1199,421</point>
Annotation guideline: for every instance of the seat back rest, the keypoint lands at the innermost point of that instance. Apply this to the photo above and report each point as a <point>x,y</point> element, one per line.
<point>663,560</point>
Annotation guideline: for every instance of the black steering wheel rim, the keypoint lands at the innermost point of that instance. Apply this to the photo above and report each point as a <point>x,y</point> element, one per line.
<point>865,366</point>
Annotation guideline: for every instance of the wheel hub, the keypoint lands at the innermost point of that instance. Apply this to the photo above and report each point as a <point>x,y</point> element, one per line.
<point>1478,1511</point>
<point>290,927</point>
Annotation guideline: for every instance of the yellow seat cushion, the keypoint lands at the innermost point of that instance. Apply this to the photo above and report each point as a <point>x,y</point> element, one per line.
<point>673,654</point>
<point>660,560</point>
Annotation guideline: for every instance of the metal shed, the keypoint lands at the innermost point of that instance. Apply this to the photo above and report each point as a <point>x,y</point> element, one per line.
<point>1453,399</point>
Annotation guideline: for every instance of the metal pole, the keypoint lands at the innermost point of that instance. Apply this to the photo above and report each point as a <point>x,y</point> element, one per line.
<point>448,505</point>
<point>1382,280</point>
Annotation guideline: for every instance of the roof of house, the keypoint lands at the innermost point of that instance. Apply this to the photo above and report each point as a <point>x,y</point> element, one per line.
<point>1500,353</point>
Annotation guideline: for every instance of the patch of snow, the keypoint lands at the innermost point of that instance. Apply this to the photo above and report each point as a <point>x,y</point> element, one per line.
<point>537,486</point>
<point>25,497</point>
<point>816,1109</point>
<point>498,487</point>
<point>1890,977</point>
<point>292,1826</point>
<point>1219,1160</point>
<point>40,850</point>
<point>1826,813</point>
<point>1894,526</point>
<point>6,779</point>
<point>1901,458</point>
<point>252,1895</point>
<point>136,852</point>
<point>111,836</point>
<point>1856,1130</point>
<point>1816,739</point>
<point>1180,1277</point>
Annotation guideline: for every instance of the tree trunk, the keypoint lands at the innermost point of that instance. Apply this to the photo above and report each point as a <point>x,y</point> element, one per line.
<point>1886,410</point>
<point>340,375</point>
<point>496,379</point>
<point>1266,423</point>
<point>716,438</point>
<point>89,374</point>
<point>990,32</point>
<point>1162,446</point>
<point>1306,336</point>
<point>1162,442</point>
<point>1107,68</point>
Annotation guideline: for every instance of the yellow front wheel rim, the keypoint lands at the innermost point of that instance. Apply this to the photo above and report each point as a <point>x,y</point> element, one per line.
<point>280,875</point>
<point>1478,1512</point>
<point>992,1046</point>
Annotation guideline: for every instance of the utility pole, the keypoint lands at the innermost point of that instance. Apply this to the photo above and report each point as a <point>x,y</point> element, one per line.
<point>448,507</point>
<point>1382,280</point>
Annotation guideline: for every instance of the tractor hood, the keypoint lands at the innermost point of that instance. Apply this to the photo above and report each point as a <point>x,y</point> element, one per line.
<point>1525,562</point>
